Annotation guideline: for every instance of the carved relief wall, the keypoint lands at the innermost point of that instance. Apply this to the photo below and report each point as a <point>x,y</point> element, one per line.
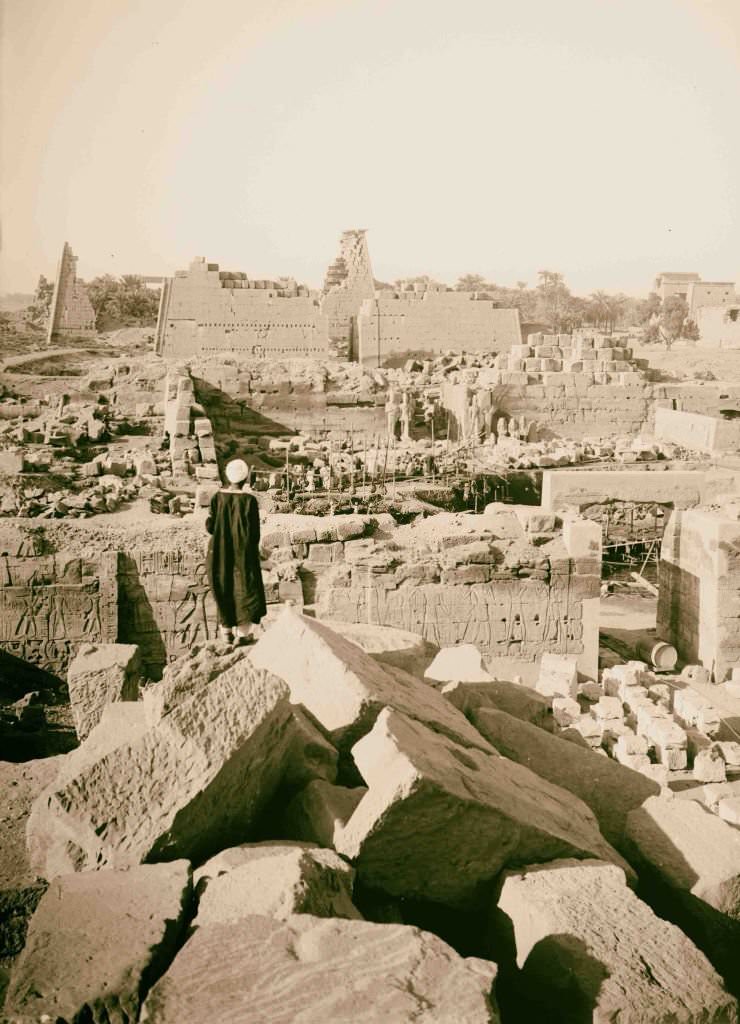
<point>165,604</point>
<point>49,604</point>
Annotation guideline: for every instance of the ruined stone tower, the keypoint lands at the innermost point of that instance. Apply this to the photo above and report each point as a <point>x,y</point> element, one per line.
<point>71,313</point>
<point>348,283</point>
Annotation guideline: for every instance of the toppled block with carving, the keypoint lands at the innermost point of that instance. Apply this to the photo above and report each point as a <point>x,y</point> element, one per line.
<point>608,788</point>
<point>184,783</point>
<point>689,849</point>
<point>315,814</point>
<point>313,969</point>
<point>438,820</point>
<point>462,663</point>
<point>98,675</point>
<point>274,879</point>
<point>344,688</point>
<point>587,945</point>
<point>94,939</point>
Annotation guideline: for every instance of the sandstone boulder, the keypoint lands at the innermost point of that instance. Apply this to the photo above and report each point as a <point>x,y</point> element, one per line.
<point>187,783</point>
<point>307,970</point>
<point>439,820</point>
<point>607,787</point>
<point>98,675</point>
<point>317,811</point>
<point>95,940</point>
<point>689,849</point>
<point>558,676</point>
<point>388,645</point>
<point>513,698</point>
<point>589,949</point>
<point>344,688</point>
<point>275,879</point>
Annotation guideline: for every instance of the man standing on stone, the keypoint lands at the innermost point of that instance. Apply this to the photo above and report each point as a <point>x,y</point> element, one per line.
<point>234,570</point>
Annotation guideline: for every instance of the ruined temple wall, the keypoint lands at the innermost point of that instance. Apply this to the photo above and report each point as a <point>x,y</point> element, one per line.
<point>396,325</point>
<point>199,317</point>
<point>513,613</point>
<point>699,589</point>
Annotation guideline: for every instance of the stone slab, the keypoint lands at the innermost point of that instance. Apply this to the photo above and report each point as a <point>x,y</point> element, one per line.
<point>98,675</point>
<point>94,940</point>
<point>584,941</point>
<point>308,970</point>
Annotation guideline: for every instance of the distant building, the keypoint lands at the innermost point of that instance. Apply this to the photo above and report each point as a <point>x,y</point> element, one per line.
<point>668,284</point>
<point>719,326</point>
<point>398,325</point>
<point>71,313</point>
<point>709,293</point>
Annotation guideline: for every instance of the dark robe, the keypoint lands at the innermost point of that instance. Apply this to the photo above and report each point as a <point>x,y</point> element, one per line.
<point>234,570</point>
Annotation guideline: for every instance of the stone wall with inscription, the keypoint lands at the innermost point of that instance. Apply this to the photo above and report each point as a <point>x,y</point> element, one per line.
<point>51,603</point>
<point>165,603</point>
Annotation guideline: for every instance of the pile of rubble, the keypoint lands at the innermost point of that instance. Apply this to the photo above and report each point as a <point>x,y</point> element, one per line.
<point>305,831</point>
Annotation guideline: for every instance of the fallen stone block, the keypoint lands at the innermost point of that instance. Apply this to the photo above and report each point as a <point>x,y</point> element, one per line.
<point>463,663</point>
<point>709,766</point>
<point>608,709</point>
<point>729,810</point>
<point>98,675</point>
<point>274,879</point>
<point>514,698</point>
<point>730,751</point>
<point>565,711</point>
<point>688,849</point>
<point>558,676</point>
<point>317,970</point>
<point>438,819</point>
<point>310,755</point>
<point>187,777</point>
<point>589,949</point>
<point>389,646</point>
<point>344,688</point>
<point>94,942</point>
<point>608,788</point>
<point>314,814</point>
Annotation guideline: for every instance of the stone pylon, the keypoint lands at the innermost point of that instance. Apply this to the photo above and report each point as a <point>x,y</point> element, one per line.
<point>71,313</point>
<point>349,282</point>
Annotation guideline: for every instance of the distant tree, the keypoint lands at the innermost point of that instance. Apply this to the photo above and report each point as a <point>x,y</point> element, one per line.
<point>649,308</point>
<point>652,333</point>
<point>554,301</point>
<point>674,316</point>
<point>382,286</point>
<point>691,330</point>
<point>38,312</point>
<point>472,283</point>
<point>122,301</point>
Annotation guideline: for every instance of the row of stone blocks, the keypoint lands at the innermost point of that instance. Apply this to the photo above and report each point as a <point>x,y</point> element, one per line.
<point>462,800</point>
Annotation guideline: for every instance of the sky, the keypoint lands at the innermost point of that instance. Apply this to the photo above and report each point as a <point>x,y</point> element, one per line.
<point>596,138</point>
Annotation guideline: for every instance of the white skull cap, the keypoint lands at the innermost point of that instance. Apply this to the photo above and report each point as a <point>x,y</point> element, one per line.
<point>236,471</point>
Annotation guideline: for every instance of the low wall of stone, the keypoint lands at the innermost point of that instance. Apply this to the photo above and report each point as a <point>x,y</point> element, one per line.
<point>681,488</point>
<point>697,432</point>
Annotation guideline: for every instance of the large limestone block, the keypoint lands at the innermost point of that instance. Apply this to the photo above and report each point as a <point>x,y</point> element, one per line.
<point>317,811</point>
<point>591,950</point>
<point>607,787</point>
<point>98,675</point>
<point>388,645</point>
<point>94,939</point>
<point>513,698</point>
<point>275,879</point>
<point>688,848</point>
<point>438,820</point>
<point>462,663</point>
<point>344,688</point>
<point>558,676</point>
<point>308,970</point>
<point>188,783</point>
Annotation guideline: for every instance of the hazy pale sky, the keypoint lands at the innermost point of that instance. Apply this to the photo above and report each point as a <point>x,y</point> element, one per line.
<point>598,138</point>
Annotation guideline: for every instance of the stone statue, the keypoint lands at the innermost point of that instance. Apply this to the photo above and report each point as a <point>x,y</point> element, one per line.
<point>392,412</point>
<point>474,419</point>
<point>501,427</point>
<point>406,411</point>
